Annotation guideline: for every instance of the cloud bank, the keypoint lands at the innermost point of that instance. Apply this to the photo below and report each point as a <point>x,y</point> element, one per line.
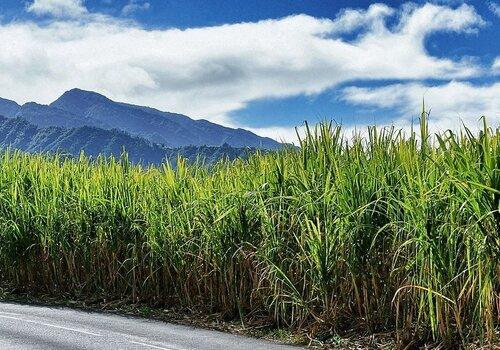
<point>212,71</point>
<point>451,103</point>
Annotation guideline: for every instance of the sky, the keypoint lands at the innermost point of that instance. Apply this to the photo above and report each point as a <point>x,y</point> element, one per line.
<point>262,65</point>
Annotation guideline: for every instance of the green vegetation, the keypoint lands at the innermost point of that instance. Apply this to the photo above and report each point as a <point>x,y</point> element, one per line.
<point>373,233</point>
<point>17,133</point>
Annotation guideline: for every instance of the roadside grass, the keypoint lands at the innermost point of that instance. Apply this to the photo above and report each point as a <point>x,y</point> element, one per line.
<point>382,233</point>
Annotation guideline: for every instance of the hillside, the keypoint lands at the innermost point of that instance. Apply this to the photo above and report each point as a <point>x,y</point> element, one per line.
<point>8,108</point>
<point>171,129</point>
<point>77,108</point>
<point>18,133</point>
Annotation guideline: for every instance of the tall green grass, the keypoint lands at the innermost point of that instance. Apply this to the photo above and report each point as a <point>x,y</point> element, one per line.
<point>373,233</point>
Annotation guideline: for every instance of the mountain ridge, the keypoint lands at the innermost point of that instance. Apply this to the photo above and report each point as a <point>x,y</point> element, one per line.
<point>77,107</point>
<point>87,121</point>
<point>171,129</point>
<point>8,107</point>
<point>18,133</point>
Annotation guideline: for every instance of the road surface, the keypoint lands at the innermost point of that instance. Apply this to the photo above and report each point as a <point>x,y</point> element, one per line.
<point>28,327</point>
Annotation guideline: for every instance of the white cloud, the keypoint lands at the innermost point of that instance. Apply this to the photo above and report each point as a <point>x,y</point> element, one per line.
<point>280,133</point>
<point>134,6</point>
<point>209,72</point>
<point>58,8</point>
<point>496,65</point>
<point>494,7</point>
<point>450,103</point>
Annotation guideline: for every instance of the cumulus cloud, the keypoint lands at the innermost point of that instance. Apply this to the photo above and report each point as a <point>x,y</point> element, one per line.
<point>450,103</point>
<point>58,8</point>
<point>209,72</point>
<point>134,6</point>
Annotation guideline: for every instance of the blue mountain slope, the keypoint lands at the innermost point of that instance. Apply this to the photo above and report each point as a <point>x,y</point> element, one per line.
<point>171,129</point>
<point>18,133</point>
<point>8,108</point>
<point>44,116</point>
<point>86,121</point>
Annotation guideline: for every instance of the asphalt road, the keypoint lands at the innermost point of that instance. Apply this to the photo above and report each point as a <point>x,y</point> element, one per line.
<point>27,327</point>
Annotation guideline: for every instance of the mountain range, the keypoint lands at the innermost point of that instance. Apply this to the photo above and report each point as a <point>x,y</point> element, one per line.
<point>86,121</point>
<point>17,133</point>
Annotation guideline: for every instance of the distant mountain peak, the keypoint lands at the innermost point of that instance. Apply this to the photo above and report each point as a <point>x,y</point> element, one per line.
<point>169,129</point>
<point>84,94</point>
<point>78,101</point>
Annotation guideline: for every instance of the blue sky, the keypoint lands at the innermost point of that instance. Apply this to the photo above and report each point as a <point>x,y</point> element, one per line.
<point>259,64</point>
